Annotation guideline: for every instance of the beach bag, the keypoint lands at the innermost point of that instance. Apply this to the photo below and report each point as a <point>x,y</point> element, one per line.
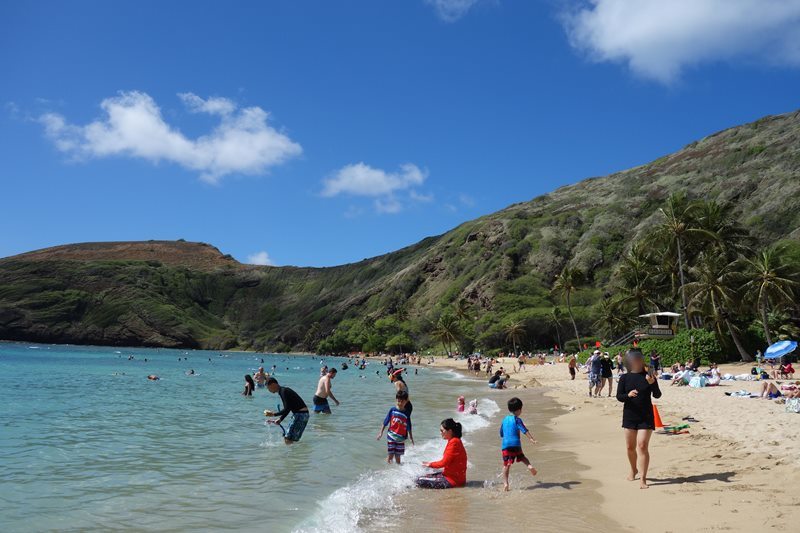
<point>793,405</point>
<point>698,382</point>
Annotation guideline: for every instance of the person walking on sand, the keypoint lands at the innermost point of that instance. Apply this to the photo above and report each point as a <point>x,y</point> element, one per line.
<point>573,365</point>
<point>606,374</point>
<point>595,367</point>
<point>292,403</point>
<point>510,429</point>
<point>635,389</point>
<point>324,392</point>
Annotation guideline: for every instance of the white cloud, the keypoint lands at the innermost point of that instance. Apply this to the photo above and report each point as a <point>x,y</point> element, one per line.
<point>260,258</point>
<point>212,106</point>
<point>451,10</point>
<point>360,179</point>
<point>388,205</point>
<point>133,126</point>
<point>657,39</point>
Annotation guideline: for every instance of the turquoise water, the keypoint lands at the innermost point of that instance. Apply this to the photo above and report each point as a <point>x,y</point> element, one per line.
<point>87,442</point>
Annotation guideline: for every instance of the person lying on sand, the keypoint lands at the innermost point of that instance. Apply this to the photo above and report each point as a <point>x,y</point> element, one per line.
<point>770,391</point>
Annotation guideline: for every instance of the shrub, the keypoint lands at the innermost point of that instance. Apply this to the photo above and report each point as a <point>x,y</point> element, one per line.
<point>706,347</point>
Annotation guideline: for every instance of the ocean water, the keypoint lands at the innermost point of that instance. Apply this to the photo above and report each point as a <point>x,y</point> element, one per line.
<point>88,443</point>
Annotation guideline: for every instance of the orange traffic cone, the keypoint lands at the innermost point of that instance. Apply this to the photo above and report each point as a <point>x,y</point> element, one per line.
<point>657,417</point>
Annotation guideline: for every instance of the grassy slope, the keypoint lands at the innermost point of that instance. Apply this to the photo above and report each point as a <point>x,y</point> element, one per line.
<point>503,263</point>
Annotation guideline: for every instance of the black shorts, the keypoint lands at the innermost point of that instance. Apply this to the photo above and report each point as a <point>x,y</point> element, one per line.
<point>638,425</point>
<point>607,376</point>
<point>571,371</point>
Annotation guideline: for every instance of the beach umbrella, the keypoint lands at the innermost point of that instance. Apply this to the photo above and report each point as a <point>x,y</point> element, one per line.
<point>779,349</point>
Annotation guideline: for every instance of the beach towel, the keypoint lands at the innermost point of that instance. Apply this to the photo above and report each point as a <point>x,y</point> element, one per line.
<point>740,394</point>
<point>793,405</point>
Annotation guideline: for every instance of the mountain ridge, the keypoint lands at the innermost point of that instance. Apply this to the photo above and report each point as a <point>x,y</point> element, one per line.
<point>502,264</point>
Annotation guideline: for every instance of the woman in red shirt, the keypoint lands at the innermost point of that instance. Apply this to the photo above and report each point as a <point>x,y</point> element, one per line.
<point>453,463</point>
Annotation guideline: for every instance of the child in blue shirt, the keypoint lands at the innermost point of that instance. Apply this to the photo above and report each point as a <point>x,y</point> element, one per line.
<point>510,429</point>
<point>398,420</point>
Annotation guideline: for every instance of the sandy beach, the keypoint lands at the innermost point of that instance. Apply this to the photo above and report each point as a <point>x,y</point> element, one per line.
<point>734,471</point>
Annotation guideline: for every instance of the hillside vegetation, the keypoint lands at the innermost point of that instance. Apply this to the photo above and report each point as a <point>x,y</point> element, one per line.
<point>487,284</point>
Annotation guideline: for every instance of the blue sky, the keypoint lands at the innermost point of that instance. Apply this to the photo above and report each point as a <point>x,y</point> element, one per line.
<point>323,132</point>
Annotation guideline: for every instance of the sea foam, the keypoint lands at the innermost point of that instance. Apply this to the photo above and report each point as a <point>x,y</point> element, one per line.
<point>367,502</point>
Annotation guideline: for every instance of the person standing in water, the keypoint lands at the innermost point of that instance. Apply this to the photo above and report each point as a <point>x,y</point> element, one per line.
<point>292,403</point>
<point>401,386</point>
<point>399,423</point>
<point>260,377</point>
<point>635,389</point>
<point>324,392</point>
<point>249,385</point>
<point>511,449</point>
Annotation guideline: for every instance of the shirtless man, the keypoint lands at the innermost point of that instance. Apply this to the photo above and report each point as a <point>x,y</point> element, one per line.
<point>324,392</point>
<point>260,377</point>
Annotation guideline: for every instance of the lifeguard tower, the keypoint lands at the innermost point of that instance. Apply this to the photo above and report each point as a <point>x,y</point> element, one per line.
<point>663,325</point>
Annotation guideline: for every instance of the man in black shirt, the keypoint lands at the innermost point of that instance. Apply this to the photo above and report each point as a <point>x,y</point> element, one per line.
<point>292,403</point>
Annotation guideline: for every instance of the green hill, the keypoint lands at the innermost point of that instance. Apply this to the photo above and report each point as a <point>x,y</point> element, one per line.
<point>488,272</point>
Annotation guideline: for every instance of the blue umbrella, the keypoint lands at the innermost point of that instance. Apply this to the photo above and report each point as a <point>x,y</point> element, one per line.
<point>779,349</point>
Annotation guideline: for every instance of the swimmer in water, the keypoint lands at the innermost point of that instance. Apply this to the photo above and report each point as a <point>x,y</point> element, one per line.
<point>324,392</point>
<point>260,377</point>
<point>249,385</point>
<point>153,377</point>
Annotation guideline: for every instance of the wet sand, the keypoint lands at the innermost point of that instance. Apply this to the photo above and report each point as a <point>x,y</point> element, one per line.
<point>736,469</point>
<point>559,498</point>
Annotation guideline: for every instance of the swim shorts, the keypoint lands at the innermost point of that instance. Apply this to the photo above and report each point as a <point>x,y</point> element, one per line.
<point>321,405</point>
<point>299,422</point>
<point>512,454</point>
<point>594,378</point>
<point>433,481</point>
<point>395,447</point>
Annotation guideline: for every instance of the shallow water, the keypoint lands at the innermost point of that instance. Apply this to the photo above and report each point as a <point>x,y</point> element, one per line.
<point>87,442</point>
<point>557,499</point>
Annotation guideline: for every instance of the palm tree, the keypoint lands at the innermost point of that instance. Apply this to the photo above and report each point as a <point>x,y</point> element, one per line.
<point>461,310</point>
<point>714,295</point>
<point>447,331</point>
<point>718,219</point>
<point>554,320</point>
<point>514,333</point>
<point>614,318</point>
<point>566,284</point>
<point>680,227</point>
<point>770,282</point>
<point>637,280</point>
